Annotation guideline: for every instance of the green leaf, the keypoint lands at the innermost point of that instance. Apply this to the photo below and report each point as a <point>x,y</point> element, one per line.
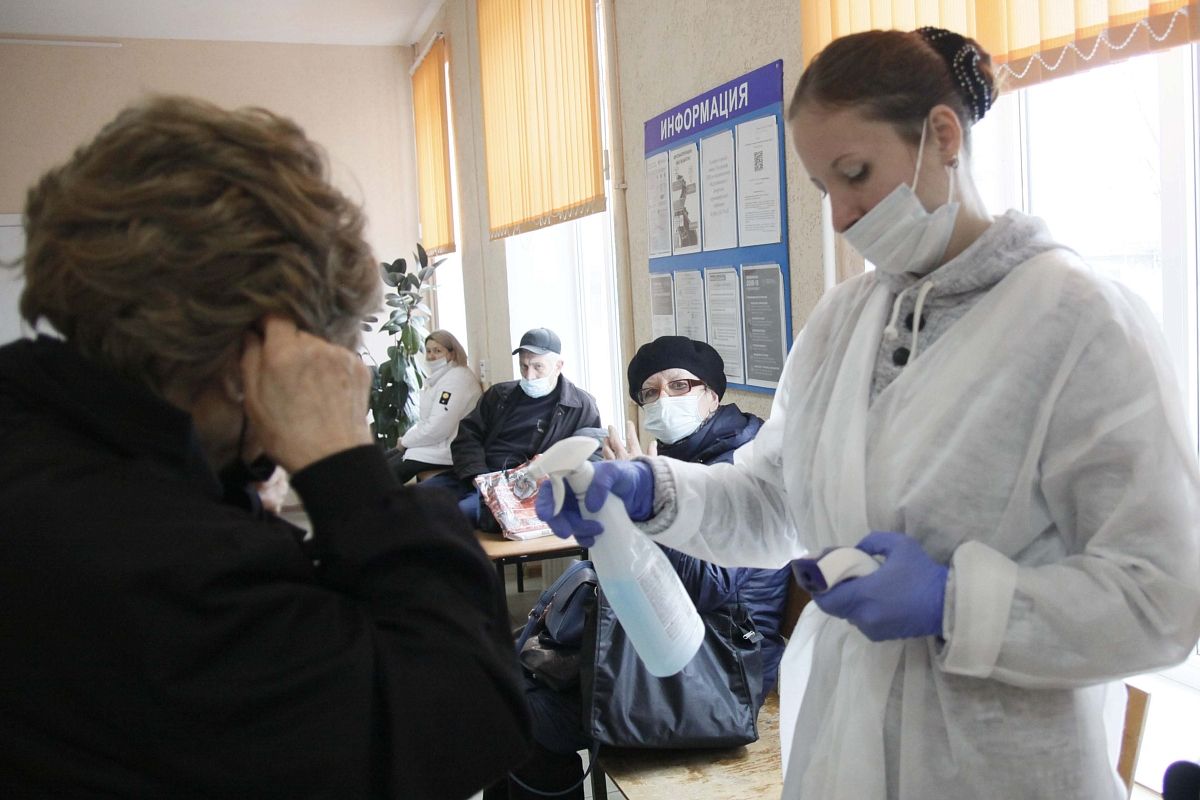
<point>400,266</point>
<point>410,340</point>
<point>421,256</point>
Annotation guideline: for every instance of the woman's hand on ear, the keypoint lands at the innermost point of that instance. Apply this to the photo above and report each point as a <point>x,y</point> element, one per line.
<point>306,398</point>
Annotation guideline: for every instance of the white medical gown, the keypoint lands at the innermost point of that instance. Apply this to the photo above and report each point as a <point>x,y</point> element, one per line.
<point>1038,447</point>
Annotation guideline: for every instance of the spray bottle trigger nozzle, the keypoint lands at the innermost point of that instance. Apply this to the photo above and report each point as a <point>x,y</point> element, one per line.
<point>563,458</point>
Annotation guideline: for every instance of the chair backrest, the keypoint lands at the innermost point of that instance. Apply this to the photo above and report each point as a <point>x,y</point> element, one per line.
<point>1136,708</point>
<point>796,600</point>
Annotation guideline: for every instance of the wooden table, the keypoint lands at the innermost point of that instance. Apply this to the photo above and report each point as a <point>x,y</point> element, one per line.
<point>508,551</point>
<point>752,772</point>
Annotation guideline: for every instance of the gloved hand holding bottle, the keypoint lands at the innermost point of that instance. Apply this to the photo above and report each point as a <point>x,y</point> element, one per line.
<point>631,481</point>
<point>900,600</point>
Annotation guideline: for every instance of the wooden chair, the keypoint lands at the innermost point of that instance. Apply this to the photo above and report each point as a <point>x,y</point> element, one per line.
<point>1137,708</point>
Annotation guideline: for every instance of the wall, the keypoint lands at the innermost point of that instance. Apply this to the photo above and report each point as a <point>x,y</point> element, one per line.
<point>355,101</point>
<point>657,47</point>
<point>671,50</point>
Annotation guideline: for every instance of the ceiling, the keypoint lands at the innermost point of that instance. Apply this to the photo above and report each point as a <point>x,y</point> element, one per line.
<point>353,22</point>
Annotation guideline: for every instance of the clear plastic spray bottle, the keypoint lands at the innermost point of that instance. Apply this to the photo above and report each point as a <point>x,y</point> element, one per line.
<point>645,592</point>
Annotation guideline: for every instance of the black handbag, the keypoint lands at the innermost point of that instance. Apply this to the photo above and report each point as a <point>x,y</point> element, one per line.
<point>712,702</point>
<point>549,646</point>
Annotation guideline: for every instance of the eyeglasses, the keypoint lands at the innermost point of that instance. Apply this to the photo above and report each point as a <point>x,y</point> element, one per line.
<point>676,388</point>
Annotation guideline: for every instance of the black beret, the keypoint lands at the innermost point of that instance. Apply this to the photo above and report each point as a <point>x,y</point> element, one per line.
<point>677,352</point>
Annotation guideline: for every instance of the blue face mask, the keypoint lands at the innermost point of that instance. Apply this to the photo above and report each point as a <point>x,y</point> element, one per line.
<point>539,387</point>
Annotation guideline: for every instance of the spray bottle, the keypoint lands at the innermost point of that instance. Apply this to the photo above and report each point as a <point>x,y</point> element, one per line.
<point>641,585</point>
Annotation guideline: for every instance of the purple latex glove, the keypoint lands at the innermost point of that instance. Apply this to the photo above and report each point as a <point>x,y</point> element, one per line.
<point>900,600</point>
<point>631,481</point>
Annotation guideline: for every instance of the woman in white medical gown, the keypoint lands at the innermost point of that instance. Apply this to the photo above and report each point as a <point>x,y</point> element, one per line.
<point>1007,415</point>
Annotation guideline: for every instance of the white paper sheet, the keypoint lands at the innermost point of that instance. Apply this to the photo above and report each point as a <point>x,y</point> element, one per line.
<point>723,298</point>
<point>685,199</point>
<point>662,305</point>
<point>658,206</point>
<point>758,208</point>
<point>718,191</point>
<point>690,319</point>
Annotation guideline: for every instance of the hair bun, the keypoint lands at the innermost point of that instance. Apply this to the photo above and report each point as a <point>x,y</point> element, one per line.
<point>962,56</point>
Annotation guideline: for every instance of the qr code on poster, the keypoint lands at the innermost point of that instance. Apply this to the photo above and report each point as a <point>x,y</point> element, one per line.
<point>758,160</point>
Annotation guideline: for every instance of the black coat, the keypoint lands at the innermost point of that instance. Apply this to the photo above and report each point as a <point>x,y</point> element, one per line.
<point>575,409</point>
<point>159,642</point>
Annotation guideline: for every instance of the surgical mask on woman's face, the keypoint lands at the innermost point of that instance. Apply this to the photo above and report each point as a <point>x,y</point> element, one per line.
<point>898,235</point>
<point>538,387</point>
<point>434,365</point>
<point>671,419</point>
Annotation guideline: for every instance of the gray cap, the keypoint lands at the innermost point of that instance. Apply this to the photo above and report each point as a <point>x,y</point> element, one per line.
<point>539,341</point>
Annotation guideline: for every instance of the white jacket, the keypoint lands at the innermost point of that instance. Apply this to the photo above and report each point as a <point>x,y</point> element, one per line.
<point>1039,447</point>
<point>449,394</point>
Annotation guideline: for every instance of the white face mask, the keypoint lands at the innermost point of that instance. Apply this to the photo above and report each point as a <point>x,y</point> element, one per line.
<point>434,365</point>
<point>539,387</point>
<point>898,235</point>
<point>672,419</point>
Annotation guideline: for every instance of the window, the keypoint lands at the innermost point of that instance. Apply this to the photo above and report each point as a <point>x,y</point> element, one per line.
<point>563,277</point>
<point>541,136</point>
<point>12,245</point>
<point>1108,158</point>
<point>449,299</point>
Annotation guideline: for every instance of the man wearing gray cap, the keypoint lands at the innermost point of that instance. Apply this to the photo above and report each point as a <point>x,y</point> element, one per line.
<point>516,420</point>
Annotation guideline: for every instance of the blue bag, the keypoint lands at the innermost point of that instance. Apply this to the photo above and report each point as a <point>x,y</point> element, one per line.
<point>549,645</point>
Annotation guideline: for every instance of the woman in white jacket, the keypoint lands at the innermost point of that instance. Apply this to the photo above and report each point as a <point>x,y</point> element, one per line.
<point>1002,421</point>
<point>450,392</point>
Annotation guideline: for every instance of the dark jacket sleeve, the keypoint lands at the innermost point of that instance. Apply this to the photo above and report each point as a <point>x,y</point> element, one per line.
<point>467,450</point>
<point>430,613</point>
<point>710,586</point>
<point>591,414</point>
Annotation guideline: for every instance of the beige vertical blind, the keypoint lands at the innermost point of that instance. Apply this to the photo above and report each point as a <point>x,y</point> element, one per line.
<point>541,112</point>
<point>1029,40</point>
<point>433,151</point>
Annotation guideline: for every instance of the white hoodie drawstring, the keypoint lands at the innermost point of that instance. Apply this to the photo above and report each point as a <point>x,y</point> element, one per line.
<point>890,333</point>
<point>925,287</point>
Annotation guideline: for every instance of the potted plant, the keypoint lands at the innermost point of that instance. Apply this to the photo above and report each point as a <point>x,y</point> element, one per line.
<point>396,383</point>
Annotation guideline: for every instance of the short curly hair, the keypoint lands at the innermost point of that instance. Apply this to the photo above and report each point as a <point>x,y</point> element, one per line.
<point>179,227</point>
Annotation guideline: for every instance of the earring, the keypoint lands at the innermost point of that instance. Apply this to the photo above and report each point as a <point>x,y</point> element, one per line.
<point>953,163</point>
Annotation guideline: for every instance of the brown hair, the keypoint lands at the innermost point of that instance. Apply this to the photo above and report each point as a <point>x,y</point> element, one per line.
<point>448,340</point>
<point>179,227</point>
<point>898,76</point>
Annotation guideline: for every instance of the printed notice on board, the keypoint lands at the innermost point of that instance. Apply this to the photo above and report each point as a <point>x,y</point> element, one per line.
<point>766,337</point>
<point>658,206</point>
<point>758,182</point>
<point>689,305</point>
<point>718,192</point>
<point>662,305</point>
<point>723,298</point>
<point>685,199</point>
